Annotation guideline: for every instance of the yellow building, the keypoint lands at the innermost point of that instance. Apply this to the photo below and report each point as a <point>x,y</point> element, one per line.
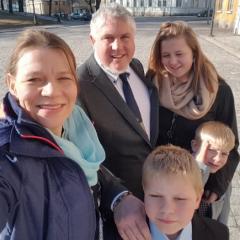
<point>226,13</point>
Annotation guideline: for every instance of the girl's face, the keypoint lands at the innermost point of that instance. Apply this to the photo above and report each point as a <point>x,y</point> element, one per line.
<point>45,87</point>
<point>177,58</point>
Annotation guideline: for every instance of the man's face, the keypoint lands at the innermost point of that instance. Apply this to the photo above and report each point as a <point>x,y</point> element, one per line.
<point>114,44</point>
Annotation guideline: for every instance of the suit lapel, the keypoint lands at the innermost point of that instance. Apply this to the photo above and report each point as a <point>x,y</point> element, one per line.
<point>104,84</point>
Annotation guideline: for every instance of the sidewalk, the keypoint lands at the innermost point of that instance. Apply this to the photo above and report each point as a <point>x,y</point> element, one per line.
<point>225,40</point>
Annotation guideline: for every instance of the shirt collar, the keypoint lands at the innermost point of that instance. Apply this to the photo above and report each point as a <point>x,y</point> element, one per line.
<point>186,233</point>
<point>111,75</point>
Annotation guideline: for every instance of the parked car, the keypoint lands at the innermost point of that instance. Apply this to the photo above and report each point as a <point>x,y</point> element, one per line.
<point>75,16</point>
<point>83,14</point>
<point>204,13</point>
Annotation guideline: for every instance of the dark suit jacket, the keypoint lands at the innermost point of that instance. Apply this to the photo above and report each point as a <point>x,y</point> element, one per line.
<point>125,142</point>
<point>208,229</point>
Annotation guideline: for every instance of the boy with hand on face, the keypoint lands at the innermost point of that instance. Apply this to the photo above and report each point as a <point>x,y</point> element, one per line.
<point>211,146</point>
<point>173,189</point>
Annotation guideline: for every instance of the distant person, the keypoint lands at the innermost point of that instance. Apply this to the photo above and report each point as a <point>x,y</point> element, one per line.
<point>191,92</point>
<point>211,146</point>
<point>173,188</point>
<point>123,106</point>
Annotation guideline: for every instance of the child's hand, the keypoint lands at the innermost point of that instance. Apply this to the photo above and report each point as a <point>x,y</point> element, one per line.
<point>201,153</point>
<point>209,197</point>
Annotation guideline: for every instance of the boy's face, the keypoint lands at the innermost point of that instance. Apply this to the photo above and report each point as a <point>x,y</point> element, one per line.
<point>215,157</point>
<point>170,202</point>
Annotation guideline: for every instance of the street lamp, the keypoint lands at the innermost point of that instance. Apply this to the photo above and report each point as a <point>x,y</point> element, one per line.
<point>213,16</point>
<point>34,14</point>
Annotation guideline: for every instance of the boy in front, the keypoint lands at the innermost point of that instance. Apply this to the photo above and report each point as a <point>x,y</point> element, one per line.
<point>173,188</point>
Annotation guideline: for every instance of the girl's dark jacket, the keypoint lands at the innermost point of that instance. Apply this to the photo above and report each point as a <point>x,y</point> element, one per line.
<point>180,131</point>
<point>43,195</point>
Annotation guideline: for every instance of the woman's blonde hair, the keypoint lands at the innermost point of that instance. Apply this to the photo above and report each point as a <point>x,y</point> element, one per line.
<point>32,38</point>
<point>172,160</point>
<point>217,133</point>
<point>202,67</point>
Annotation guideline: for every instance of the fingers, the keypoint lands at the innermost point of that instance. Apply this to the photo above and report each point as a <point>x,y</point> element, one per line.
<point>201,155</point>
<point>135,232</point>
<point>130,219</point>
<point>210,197</point>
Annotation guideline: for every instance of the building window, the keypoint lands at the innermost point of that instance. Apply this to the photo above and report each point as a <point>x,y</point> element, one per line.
<point>134,3</point>
<point>164,3</point>
<point>179,3</point>
<point>142,3</point>
<point>150,3</point>
<point>230,5</point>
<point>159,3</point>
<point>219,5</point>
<point>127,3</point>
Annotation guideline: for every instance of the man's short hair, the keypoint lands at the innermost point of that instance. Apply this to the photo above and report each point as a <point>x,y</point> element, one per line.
<point>172,160</point>
<point>216,132</point>
<point>112,10</point>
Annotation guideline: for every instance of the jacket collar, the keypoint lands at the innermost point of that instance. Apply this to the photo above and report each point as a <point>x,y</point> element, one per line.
<point>41,143</point>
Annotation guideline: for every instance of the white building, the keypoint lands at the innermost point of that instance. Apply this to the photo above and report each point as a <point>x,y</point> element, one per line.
<point>164,7</point>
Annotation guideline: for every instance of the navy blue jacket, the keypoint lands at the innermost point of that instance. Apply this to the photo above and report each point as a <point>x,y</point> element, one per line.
<point>43,195</point>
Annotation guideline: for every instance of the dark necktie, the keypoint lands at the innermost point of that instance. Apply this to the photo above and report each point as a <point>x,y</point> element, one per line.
<point>130,100</point>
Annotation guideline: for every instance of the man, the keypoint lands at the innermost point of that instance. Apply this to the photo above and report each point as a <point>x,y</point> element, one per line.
<point>124,113</point>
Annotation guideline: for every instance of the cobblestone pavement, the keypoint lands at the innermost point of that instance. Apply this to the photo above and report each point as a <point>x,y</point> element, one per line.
<point>223,49</point>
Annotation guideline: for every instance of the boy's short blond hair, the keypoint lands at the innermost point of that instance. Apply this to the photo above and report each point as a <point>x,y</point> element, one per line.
<point>216,132</point>
<point>172,160</point>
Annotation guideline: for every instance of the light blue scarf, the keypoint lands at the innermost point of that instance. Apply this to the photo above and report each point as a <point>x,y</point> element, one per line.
<point>80,143</point>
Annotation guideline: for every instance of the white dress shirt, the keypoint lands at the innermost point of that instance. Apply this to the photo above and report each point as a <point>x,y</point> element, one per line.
<point>139,90</point>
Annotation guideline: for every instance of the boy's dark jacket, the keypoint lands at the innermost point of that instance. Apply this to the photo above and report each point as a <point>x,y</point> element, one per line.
<point>32,166</point>
<point>208,229</point>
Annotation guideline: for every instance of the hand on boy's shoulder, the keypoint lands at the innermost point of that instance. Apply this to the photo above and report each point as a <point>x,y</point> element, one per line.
<point>208,229</point>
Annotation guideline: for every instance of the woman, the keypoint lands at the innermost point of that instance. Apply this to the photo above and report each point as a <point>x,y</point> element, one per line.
<point>191,92</point>
<point>47,146</point>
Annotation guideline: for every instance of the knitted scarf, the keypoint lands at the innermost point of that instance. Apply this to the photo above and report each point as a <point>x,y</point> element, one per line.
<point>180,98</point>
<point>80,143</point>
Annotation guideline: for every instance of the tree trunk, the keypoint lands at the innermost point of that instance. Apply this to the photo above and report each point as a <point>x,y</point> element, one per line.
<point>2,5</point>
<point>20,6</point>
<point>50,8</point>
<point>10,8</point>
<point>98,2</point>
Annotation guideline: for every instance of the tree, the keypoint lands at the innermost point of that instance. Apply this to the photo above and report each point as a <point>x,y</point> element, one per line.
<point>98,2</point>
<point>10,7</point>
<point>20,6</point>
<point>50,8</point>
<point>89,2</point>
<point>2,5</point>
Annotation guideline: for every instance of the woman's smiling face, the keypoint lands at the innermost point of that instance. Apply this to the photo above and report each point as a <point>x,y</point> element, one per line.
<point>44,86</point>
<point>177,58</point>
